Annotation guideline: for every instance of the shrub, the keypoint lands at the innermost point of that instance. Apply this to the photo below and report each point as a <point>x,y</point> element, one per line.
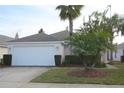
<point>57,60</point>
<point>89,60</point>
<point>72,59</point>
<point>7,59</point>
<point>1,61</point>
<point>100,65</point>
<point>76,60</point>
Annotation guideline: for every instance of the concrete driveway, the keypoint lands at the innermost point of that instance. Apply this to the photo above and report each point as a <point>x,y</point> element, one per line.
<point>19,75</point>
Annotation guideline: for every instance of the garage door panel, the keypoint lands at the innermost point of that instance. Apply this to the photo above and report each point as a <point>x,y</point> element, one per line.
<point>33,56</point>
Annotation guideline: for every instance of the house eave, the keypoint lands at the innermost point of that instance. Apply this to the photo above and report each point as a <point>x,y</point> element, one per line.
<point>3,46</point>
<point>43,42</point>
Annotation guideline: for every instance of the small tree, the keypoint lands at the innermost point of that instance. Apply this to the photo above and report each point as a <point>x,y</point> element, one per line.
<point>95,36</point>
<point>98,21</point>
<point>87,43</point>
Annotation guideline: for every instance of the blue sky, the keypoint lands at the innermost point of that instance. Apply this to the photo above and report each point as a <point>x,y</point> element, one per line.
<point>27,19</point>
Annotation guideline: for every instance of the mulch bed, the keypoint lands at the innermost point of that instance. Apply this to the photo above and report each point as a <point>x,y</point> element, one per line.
<point>91,73</point>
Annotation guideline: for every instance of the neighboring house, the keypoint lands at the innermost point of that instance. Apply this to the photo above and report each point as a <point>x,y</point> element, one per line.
<point>119,52</point>
<point>120,48</point>
<point>38,49</point>
<point>3,45</point>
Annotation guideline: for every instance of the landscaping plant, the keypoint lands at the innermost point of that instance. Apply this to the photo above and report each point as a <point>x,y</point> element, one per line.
<point>100,21</point>
<point>92,44</point>
<point>93,37</point>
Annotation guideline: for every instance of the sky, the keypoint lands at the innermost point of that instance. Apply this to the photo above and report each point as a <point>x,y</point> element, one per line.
<point>28,19</point>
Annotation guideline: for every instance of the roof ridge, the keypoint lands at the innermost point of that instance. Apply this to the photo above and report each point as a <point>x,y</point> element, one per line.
<point>6,36</point>
<point>36,37</point>
<point>59,32</point>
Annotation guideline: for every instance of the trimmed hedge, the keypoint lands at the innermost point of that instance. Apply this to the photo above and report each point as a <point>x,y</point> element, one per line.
<point>1,61</point>
<point>76,60</point>
<point>57,60</point>
<point>7,59</point>
<point>72,59</point>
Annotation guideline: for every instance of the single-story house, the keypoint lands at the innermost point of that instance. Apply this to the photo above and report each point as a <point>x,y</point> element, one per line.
<point>3,45</point>
<point>119,52</point>
<point>38,49</point>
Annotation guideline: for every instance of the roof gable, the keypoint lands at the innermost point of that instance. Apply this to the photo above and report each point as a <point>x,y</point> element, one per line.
<point>41,37</point>
<point>61,35</point>
<point>121,46</point>
<point>4,39</point>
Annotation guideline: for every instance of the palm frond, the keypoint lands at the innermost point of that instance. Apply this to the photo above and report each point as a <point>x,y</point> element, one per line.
<point>69,11</point>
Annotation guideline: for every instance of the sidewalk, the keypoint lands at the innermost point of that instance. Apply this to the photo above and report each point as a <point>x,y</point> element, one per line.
<point>111,66</point>
<point>54,85</point>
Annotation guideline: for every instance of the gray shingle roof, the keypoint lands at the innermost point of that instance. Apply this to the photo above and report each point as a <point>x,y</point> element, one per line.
<point>121,46</point>
<point>42,37</point>
<point>61,35</point>
<point>36,38</point>
<point>4,39</point>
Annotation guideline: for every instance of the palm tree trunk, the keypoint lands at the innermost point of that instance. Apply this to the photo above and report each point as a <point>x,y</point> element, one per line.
<point>71,26</point>
<point>71,31</point>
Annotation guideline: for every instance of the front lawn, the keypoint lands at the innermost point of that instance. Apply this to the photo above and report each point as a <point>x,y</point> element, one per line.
<point>60,75</point>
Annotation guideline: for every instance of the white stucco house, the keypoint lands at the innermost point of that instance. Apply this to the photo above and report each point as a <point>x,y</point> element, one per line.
<point>38,49</point>
<point>119,52</point>
<point>3,45</point>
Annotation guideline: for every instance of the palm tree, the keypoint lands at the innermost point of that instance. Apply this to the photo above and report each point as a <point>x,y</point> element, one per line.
<point>69,12</point>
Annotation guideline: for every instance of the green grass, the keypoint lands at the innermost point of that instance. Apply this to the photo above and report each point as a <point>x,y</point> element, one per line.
<point>59,75</point>
<point>119,65</point>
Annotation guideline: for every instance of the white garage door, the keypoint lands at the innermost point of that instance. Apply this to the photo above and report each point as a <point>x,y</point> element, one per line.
<point>33,56</point>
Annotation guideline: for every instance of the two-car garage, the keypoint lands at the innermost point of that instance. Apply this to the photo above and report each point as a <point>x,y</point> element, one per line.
<point>33,56</point>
